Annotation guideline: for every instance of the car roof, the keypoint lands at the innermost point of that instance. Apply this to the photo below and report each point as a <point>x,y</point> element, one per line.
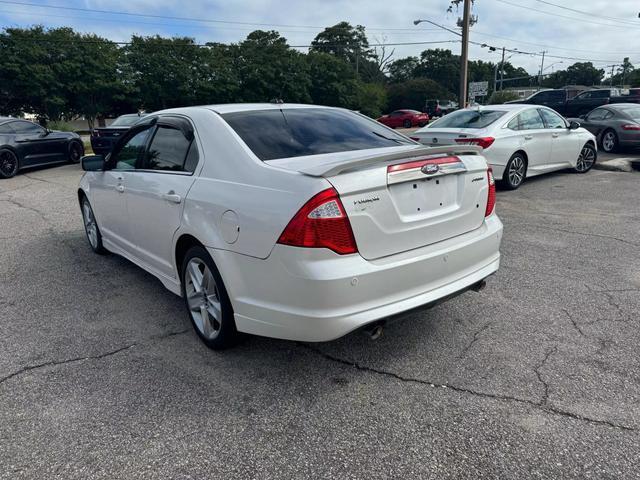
<point>511,107</point>
<point>224,108</point>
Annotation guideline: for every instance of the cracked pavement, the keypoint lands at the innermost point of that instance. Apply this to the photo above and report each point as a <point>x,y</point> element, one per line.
<point>536,376</point>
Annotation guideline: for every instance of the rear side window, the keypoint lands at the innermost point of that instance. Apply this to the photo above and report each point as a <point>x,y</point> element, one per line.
<point>286,133</point>
<point>557,95</point>
<point>530,120</point>
<point>27,127</point>
<point>468,119</point>
<point>168,151</point>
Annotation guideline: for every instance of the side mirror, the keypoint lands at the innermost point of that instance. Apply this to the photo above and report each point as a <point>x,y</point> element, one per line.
<point>573,125</point>
<point>583,116</point>
<point>92,163</point>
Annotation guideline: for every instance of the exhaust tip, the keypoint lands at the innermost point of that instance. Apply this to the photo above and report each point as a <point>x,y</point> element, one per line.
<point>374,331</point>
<point>481,285</point>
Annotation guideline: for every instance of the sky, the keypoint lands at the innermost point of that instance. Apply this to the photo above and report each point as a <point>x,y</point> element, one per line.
<point>602,31</point>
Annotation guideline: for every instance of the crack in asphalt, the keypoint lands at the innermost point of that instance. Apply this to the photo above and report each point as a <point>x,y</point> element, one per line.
<point>475,338</point>
<point>574,323</point>
<point>588,234</point>
<point>545,395</point>
<point>541,405</point>
<point>615,305</point>
<point>100,356</point>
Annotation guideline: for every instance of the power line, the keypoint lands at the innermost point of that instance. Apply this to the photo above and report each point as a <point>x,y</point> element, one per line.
<point>566,16</point>
<point>617,19</point>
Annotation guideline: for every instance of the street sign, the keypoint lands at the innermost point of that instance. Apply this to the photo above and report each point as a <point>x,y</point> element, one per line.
<point>478,89</point>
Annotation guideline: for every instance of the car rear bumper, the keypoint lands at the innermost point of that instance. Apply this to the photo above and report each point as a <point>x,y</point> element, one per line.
<point>316,295</point>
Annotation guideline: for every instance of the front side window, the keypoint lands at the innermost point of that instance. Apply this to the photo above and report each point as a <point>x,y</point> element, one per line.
<point>541,97</point>
<point>132,151</point>
<point>297,132</point>
<point>552,119</point>
<point>530,120</point>
<point>584,96</point>
<point>27,127</point>
<point>168,151</point>
<point>597,114</point>
<point>556,95</point>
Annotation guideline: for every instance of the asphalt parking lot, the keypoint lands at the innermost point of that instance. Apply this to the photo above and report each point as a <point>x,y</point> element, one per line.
<point>537,376</point>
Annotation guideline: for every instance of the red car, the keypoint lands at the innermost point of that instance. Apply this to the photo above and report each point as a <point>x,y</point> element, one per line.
<point>405,119</point>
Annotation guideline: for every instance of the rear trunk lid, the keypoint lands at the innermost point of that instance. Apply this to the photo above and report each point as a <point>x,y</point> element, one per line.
<point>446,136</point>
<point>399,199</point>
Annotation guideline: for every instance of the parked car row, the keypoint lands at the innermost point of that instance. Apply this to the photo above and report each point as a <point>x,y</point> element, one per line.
<point>404,119</point>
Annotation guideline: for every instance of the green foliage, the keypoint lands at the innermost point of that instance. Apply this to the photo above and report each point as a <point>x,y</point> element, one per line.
<point>333,81</point>
<point>372,99</point>
<point>61,126</point>
<point>580,73</point>
<point>502,96</point>
<point>343,41</point>
<point>414,94</point>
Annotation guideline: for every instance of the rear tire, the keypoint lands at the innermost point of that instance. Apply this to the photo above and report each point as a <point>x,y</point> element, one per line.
<point>207,301</point>
<point>609,141</point>
<point>587,159</point>
<point>76,150</point>
<point>9,164</point>
<point>515,172</point>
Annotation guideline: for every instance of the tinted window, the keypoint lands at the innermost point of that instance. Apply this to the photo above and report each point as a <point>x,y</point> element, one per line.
<point>530,120</point>
<point>552,119</point>
<point>541,97</point>
<point>557,95</point>
<point>397,113</point>
<point>597,114</point>
<point>468,119</point>
<point>600,94</point>
<point>192,158</point>
<point>127,157</point>
<point>125,121</point>
<point>584,96</point>
<point>6,128</point>
<point>27,127</point>
<point>292,132</point>
<point>168,150</point>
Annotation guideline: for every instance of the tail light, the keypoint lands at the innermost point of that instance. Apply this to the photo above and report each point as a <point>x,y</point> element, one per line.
<point>491,198</point>
<point>484,142</point>
<point>321,223</point>
<point>630,126</point>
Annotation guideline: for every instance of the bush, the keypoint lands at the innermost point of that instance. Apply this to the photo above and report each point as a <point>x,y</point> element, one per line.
<point>61,125</point>
<point>502,96</point>
<point>372,99</point>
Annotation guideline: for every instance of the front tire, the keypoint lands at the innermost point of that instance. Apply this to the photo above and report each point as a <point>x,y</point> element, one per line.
<point>406,124</point>
<point>515,172</point>
<point>76,150</point>
<point>9,164</point>
<point>587,159</point>
<point>609,141</point>
<point>91,227</point>
<point>207,300</point>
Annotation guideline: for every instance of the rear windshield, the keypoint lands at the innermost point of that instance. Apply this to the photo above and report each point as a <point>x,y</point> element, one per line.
<point>633,112</point>
<point>468,119</point>
<point>287,133</point>
<point>125,121</point>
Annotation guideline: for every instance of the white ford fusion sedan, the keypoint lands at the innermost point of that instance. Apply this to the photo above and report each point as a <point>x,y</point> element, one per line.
<point>519,141</point>
<point>291,221</point>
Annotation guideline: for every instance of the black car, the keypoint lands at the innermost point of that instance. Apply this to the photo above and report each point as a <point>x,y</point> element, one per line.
<point>104,138</point>
<point>26,144</point>
<point>581,104</point>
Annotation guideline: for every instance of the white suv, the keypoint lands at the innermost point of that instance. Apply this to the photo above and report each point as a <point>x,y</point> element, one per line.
<point>291,221</point>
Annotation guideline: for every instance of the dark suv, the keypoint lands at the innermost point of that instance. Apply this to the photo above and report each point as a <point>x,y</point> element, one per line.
<point>582,103</point>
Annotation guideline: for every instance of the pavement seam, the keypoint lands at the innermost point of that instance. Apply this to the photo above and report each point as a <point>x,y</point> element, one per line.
<point>51,363</point>
<point>506,398</point>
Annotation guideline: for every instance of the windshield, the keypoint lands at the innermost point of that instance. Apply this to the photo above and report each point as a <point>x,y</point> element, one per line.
<point>468,119</point>
<point>286,133</point>
<point>125,121</point>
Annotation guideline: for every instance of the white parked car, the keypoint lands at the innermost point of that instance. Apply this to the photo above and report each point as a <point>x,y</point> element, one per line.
<point>519,141</point>
<point>291,221</point>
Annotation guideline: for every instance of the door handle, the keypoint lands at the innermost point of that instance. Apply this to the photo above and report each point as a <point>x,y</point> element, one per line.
<point>528,137</point>
<point>554,135</point>
<point>172,197</point>
<point>120,188</point>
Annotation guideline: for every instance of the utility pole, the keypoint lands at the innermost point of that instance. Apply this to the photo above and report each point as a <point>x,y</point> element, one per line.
<point>464,57</point>
<point>502,69</point>
<point>541,68</point>
<point>611,77</point>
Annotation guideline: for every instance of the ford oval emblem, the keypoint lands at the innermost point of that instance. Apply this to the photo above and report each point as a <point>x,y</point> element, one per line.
<point>435,140</point>
<point>430,168</point>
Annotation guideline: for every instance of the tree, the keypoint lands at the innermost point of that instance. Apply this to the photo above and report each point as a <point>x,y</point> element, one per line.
<point>372,99</point>
<point>269,69</point>
<point>402,69</point>
<point>441,66</point>
<point>333,81</point>
<point>348,43</point>
<point>584,73</point>
<point>414,93</point>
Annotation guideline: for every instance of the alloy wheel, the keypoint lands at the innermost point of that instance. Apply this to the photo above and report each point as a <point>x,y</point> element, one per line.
<point>586,159</point>
<point>8,164</point>
<point>75,153</point>
<point>516,171</point>
<point>90,225</point>
<point>609,141</point>
<point>203,298</point>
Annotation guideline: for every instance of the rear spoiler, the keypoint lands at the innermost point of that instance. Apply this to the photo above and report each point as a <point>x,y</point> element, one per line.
<point>339,166</point>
